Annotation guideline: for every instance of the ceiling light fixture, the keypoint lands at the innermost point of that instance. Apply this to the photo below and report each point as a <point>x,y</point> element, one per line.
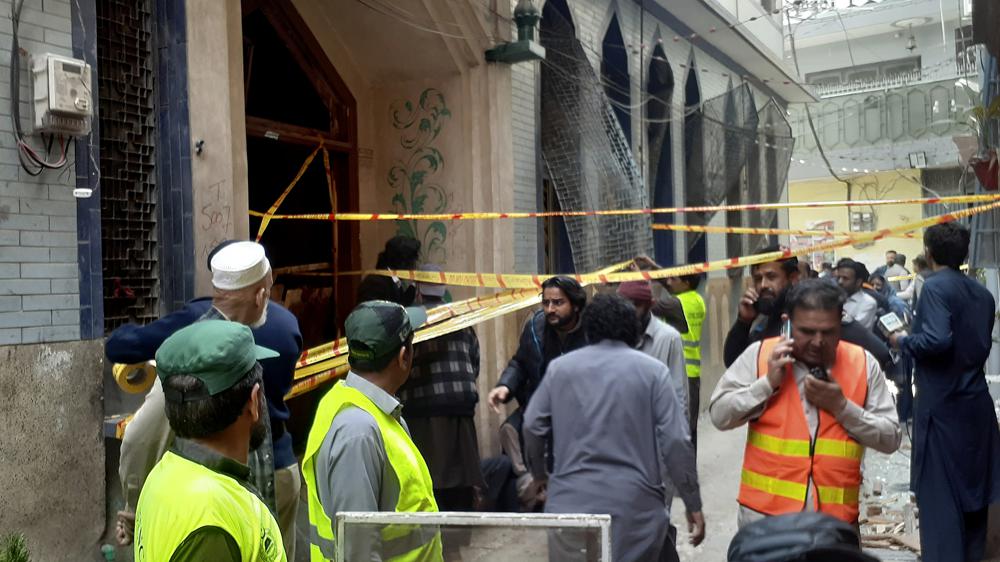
<point>911,41</point>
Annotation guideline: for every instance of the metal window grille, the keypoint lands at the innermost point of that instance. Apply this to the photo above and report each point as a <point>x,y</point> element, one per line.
<point>125,66</point>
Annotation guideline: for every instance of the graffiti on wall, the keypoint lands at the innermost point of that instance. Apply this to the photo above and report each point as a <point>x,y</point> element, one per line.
<point>412,176</point>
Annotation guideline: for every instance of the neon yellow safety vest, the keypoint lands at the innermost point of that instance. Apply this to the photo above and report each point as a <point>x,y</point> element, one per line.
<point>694,315</point>
<point>401,543</point>
<point>181,496</point>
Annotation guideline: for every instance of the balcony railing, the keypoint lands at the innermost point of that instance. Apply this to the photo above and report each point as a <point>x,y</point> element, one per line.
<point>964,68</point>
<point>927,109</point>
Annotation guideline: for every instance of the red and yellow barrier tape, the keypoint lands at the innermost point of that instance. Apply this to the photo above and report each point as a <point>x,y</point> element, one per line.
<point>761,230</point>
<point>908,276</point>
<point>955,199</point>
<point>322,363</point>
<point>518,281</point>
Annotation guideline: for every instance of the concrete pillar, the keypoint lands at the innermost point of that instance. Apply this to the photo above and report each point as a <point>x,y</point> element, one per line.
<point>51,449</point>
<point>218,119</point>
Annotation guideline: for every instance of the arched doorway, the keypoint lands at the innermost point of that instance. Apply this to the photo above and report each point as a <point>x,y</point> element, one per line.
<point>556,33</point>
<point>614,72</point>
<point>694,160</point>
<point>660,90</point>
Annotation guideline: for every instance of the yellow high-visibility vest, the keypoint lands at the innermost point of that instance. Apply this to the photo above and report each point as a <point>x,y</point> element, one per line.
<point>694,315</point>
<point>400,543</point>
<point>181,496</point>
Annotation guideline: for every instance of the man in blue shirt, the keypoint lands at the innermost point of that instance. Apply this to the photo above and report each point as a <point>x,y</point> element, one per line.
<point>242,280</point>
<point>955,471</point>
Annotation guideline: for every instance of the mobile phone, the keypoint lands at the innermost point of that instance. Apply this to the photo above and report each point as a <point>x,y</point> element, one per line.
<point>786,329</point>
<point>820,373</point>
<point>890,323</point>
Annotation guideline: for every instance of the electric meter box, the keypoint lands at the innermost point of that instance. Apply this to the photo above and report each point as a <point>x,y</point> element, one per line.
<point>61,100</point>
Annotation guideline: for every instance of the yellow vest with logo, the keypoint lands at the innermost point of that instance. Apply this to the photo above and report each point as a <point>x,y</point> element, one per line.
<point>181,496</point>
<point>400,543</point>
<point>694,315</point>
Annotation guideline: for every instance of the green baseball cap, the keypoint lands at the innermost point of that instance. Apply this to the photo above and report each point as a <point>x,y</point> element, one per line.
<point>217,352</point>
<point>377,329</point>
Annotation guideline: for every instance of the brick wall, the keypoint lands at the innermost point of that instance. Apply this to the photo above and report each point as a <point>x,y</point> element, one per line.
<point>524,78</point>
<point>39,272</point>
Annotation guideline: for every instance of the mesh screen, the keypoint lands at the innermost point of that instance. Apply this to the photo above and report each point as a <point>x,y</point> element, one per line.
<point>727,127</point>
<point>587,156</point>
<point>767,169</point>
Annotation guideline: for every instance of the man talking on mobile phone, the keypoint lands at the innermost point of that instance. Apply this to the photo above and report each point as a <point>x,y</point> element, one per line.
<point>813,403</point>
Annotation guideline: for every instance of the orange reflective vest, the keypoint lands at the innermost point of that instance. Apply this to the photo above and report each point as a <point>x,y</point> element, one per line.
<point>780,457</point>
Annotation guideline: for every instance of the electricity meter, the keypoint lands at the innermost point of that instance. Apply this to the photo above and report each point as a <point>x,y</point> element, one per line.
<point>61,96</point>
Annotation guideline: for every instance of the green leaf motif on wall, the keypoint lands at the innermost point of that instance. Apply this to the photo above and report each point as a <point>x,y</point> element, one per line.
<point>412,177</point>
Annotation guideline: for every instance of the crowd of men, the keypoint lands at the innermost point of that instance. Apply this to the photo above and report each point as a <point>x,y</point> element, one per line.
<point>607,392</point>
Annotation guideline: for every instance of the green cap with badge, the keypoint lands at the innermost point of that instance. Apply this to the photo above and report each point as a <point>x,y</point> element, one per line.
<point>376,330</point>
<point>219,353</point>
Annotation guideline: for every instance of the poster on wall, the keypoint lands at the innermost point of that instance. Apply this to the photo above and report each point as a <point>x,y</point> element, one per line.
<point>815,259</point>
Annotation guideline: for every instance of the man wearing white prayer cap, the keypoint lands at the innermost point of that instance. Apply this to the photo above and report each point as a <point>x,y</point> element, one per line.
<point>241,277</point>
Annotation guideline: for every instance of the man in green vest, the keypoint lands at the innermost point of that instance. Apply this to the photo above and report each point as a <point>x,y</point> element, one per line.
<point>682,307</point>
<point>359,456</point>
<point>198,502</point>
<point>685,290</point>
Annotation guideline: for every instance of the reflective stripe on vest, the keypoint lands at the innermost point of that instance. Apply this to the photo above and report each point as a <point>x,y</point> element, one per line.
<point>776,464</point>
<point>694,314</point>
<point>402,543</point>
<point>181,496</point>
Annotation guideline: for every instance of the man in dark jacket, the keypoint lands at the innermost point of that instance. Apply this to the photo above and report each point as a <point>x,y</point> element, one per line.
<point>147,436</point>
<point>955,471</point>
<point>551,332</point>
<point>759,315</point>
<point>554,330</point>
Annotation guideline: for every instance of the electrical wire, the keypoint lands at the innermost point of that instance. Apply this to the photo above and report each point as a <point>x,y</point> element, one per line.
<point>32,163</point>
<point>847,38</point>
<point>812,127</point>
<point>404,21</point>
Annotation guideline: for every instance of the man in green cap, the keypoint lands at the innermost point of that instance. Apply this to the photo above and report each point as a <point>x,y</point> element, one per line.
<point>198,503</point>
<point>359,456</point>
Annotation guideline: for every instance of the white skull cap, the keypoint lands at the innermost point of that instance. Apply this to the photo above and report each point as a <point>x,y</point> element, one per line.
<point>239,265</point>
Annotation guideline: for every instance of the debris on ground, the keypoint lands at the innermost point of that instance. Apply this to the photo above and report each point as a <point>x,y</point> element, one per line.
<point>889,518</point>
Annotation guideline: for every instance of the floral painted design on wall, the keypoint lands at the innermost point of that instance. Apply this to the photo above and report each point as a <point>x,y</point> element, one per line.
<point>411,177</point>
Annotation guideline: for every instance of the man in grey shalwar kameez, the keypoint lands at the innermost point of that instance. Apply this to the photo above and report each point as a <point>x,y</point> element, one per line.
<point>618,432</point>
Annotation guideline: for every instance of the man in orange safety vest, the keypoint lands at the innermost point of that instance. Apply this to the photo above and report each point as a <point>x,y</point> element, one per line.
<point>812,403</point>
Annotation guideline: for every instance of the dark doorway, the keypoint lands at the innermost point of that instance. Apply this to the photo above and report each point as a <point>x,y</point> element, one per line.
<point>557,32</point>
<point>296,105</point>
<point>295,101</point>
<point>660,89</point>
<point>694,161</point>
<point>614,71</point>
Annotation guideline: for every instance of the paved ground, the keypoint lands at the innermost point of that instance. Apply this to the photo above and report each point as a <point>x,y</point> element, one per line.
<point>720,458</point>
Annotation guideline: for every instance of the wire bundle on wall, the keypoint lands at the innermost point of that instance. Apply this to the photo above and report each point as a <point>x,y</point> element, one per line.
<point>32,162</point>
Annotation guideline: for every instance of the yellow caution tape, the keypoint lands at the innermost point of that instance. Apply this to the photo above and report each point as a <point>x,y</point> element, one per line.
<point>266,217</point>
<point>964,267</point>
<point>954,199</point>
<point>518,281</point>
<point>136,378</point>
<point>329,360</point>
<point>760,230</point>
